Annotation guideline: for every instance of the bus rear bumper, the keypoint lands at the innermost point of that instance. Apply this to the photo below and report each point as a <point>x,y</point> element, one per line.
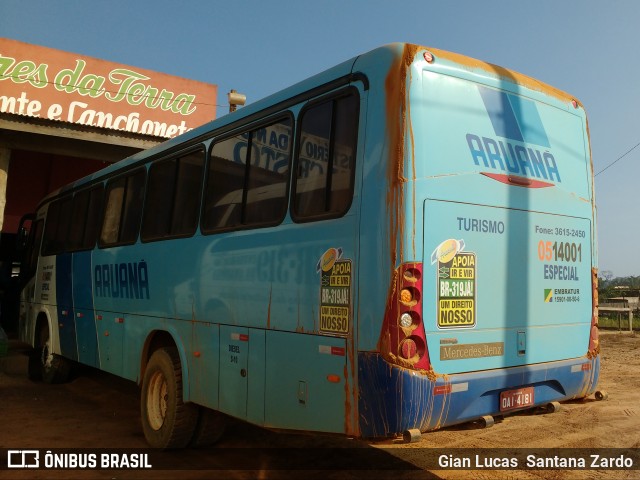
<point>394,399</point>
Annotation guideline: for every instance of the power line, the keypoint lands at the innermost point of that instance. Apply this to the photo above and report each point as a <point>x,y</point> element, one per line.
<point>619,158</point>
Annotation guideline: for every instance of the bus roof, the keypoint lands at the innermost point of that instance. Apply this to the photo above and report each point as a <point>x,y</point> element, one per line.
<point>390,52</point>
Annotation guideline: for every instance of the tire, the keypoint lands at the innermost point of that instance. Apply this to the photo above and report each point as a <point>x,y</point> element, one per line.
<point>167,421</point>
<point>209,429</point>
<point>44,365</point>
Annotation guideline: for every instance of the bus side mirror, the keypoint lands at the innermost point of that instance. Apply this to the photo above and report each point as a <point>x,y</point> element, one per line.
<point>21,239</point>
<point>22,236</point>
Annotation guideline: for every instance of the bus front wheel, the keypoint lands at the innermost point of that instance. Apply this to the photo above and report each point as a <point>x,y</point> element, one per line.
<point>44,364</point>
<point>167,421</point>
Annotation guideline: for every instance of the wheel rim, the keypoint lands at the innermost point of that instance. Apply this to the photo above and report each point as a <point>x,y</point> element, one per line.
<point>46,356</point>
<point>157,400</point>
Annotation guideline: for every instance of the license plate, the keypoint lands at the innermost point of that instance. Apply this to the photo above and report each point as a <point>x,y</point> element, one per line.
<point>514,399</point>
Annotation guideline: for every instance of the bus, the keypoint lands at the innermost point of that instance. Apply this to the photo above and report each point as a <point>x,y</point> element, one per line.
<point>401,243</point>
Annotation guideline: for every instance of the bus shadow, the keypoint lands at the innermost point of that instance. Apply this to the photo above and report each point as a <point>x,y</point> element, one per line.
<point>263,453</point>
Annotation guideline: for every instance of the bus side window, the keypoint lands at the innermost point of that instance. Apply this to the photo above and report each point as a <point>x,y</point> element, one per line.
<point>173,197</point>
<point>57,226</point>
<point>188,192</point>
<point>225,184</point>
<point>112,212</point>
<point>123,209</point>
<point>92,225</point>
<point>247,178</point>
<point>266,198</point>
<point>85,212</point>
<point>78,218</point>
<point>326,159</point>
<point>48,242</point>
<point>32,251</point>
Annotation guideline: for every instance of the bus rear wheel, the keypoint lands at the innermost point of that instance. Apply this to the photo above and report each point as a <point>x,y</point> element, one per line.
<point>210,427</point>
<point>167,421</point>
<point>44,364</point>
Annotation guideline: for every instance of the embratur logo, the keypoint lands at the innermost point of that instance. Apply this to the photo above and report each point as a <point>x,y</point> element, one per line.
<point>516,119</point>
<point>548,295</point>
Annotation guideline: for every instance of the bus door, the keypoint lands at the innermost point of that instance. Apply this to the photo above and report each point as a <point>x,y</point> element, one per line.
<point>242,350</point>
<point>28,269</point>
<point>55,277</point>
<point>234,354</point>
<point>64,298</point>
<point>85,321</point>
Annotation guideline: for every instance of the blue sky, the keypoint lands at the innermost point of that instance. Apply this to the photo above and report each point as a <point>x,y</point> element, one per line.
<point>588,48</point>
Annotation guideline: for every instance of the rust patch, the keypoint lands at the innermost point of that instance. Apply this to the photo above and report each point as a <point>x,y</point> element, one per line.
<point>503,73</point>
<point>594,289</point>
<point>347,400</point>
<point>594,343</point>
<point>396,113</point>
<point>351,426</point>
<point>299,327</point>
<point>269,309</point>
<point>589,380</point>
<point>412,159</point>
<point>396,117</point>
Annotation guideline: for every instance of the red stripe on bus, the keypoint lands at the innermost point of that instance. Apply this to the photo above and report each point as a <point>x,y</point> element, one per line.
<point>337,351</point>
<point>517,181</point>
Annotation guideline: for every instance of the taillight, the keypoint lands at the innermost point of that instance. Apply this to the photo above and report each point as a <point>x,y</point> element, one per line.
<point>403,337</point>
<point>594,340</point>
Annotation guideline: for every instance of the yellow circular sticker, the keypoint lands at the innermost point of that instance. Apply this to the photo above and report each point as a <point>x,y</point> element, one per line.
<point>447,250</point>
<point>328,259</point>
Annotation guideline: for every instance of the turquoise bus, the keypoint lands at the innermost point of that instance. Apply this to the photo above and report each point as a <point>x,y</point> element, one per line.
<point>403,242</point>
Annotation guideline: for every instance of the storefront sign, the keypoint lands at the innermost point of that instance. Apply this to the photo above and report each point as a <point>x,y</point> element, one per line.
<point>55,85</point>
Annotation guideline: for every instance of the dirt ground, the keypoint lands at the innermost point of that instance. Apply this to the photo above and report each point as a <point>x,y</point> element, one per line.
<point>97,410</point>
